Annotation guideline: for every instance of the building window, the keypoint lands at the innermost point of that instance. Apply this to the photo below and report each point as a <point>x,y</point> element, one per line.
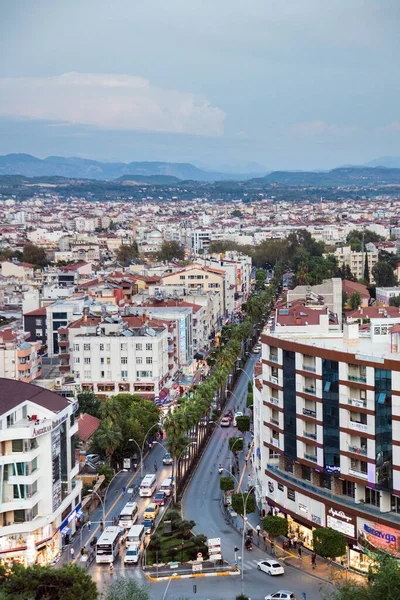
<point>349,489</point>
<point>139,346</point>
<point>306,473</point>
<point>19,516</point>
<point>86,347</point>
<point>149,346</point>
<point>102,360</point>
<point>144,373</point>
<point>76,347</point>
<point>10,420</point>
<point>149,360</point>
<point>395,503</point>
<point>101,347</point>
<point>139,360</point>
<point>182,277</point>
<point>124,346</point>
<point>87,360</point>
<point>39,333</point>
<point>77,360</point>
<point>86,374</point>
<point>124,374</point>
<point>124,360</point>
<point>372,497</point>
<point>289,399</point>
<point>102,374</point>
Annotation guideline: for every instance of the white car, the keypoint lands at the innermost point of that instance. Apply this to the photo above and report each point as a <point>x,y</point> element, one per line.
<point>225,422</point>
<point>271,567</point>
<point>238,414</point>
<point>281,595</point>
<point>132,555</point>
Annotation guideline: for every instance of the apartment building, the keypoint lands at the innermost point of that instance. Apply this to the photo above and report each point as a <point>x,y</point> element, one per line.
<point>117,354</point>
<point>60,314</point>
<point>39,492</point>
<point>19,359</point>
<point>327,444</point>
<point>356,261</point>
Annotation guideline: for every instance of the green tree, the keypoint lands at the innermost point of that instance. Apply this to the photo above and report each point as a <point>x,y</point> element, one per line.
<point>235,444</point>
<point>222,246</point>
<point>170,250</point>
<point>127,253</point>
<point>241,502</point>
<point>394,301</point>
<point>46,583</point>
<point>34,255</point>
<point>249,400</point>
<point>260,279</point>
<point>355,237</point>
<point>123,588</point>
<point>383,274</point>
<point>366,269</point>
<point>237,213</point>
<point>226,484</point>
<point>275,526</point>
<point>345,299</point>
<point>89,404</point>
<point>383,582</point>
<point>243,423</point>
<point>329,542</point>
<point>108,438</point>
<point>355,300</point>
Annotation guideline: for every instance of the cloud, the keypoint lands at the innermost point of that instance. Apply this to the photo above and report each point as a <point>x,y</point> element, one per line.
<point>319,128</point>
<point>393,127</point>
<point>109,102</point>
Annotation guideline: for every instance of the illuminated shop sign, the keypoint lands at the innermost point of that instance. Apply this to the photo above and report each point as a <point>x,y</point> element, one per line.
<point>383,535</point>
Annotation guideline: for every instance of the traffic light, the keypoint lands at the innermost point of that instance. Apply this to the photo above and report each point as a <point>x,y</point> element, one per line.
<point>236,549</point>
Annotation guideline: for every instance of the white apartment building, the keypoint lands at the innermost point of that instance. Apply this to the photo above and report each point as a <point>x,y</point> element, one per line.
<point>19,359</point>
<point>60,314</point>
<point>327,444</point>
<point>116,354</point>
<point>39,492</point>
<point>356,261</point>
<point>199,240</point>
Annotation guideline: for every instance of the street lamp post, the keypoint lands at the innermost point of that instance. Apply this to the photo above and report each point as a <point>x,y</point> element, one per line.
<point>81,532</point>
<point>103,501</point>
<point>141,450</point>
<point>244,525</point>
<point>231,452</point>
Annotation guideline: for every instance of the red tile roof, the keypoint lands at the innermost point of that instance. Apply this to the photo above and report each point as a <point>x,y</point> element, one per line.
<point>87,425</point>
<point>352,286</point>
<point>37,312</point>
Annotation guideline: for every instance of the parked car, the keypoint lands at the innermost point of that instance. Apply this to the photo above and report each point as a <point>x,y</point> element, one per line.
<point>159,498</point>
<point>271,567</point>
<point>167,459</point>
<point>225,422</point>
<point>92,458</point>
<point>281,595</point>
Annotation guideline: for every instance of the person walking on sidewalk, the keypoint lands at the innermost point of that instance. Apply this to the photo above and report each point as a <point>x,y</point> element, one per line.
<point>313,560</point>
<point>258,528</point>
<point>299,552</point>
<point>89,524</point>
<point>272,549</point>
<point>72,553</point>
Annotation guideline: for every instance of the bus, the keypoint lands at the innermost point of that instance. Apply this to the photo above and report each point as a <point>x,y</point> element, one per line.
<point>107,546</point>
<point>128,515</point>
<point>148,485</point>
<point>135,536</point>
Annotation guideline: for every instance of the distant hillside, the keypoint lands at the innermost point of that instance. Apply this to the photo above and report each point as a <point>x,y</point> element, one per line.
<point>345,176</point>
<point>156,179</point>
<point>82,168</point>
<point>390,162</point>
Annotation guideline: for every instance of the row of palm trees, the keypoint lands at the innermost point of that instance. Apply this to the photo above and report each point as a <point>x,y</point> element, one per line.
<point>185,427</point>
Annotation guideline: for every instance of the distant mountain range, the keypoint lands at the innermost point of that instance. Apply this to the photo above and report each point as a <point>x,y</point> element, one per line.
<point>391,162</point>
<point>82,168</point>
<point>344,176</point>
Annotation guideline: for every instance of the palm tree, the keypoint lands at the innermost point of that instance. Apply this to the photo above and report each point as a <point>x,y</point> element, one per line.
<point>108,437</point>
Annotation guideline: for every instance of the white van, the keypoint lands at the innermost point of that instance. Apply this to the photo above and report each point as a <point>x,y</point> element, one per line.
<point>135,536</point>
<point>148,485</point>
<point>132,555</point>
<point>166,486</point>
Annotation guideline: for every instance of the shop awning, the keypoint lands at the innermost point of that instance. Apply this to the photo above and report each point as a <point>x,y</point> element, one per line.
<point>65,531</point>
<point>79,514</point>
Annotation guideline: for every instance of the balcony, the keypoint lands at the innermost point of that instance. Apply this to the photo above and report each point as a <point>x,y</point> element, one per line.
<point>371,510</point>
<point>274,379</point>
<point>310,368</point>
<point>358,426</point>
<point>274,421</point>
<point>24,366</point>
<point>358,402</point>
<point>274,400</point>
<point>357,450</point>
<point>274,442</point>
<point>273,358</point>
<point>358,473</point>
<point>312,457</point>
<point>310,434</point>
<point>359,378</point>
<point>309,413</point>
<point>309,390</point>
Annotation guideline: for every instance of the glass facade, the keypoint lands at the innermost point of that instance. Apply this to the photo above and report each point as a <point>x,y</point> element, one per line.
<point>330,411</point>
<point>383,429</point>
<point>289,402</point>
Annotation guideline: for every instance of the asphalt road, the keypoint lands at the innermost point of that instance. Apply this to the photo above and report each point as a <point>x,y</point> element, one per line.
<point>202,504</point>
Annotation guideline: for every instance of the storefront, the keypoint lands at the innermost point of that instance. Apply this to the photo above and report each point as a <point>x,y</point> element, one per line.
<point>300,532</point>
<point>69,524</point>
<point>372,539</point>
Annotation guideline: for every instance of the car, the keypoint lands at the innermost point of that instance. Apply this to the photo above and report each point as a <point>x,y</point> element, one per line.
<point>238,414</point>
<point>132,555</point>
<point>159,498</point>
<point>281,595</point>
<point>271,567</point>
<point>225,422</point>
<point>167,459</point>
<point>151,511</point>
<point>148,525</point>
<point>92,458</point>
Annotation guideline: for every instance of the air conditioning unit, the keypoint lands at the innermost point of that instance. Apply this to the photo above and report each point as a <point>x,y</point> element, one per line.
<point>58,383</point>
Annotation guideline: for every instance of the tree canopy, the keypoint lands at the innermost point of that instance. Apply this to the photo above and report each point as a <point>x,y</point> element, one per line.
<point>89,404</point>
<point>127,253</point>
<point>124,588</point>
<point>34,255</point>
<point>383,582</point>
<point>275,526</point>
<point>329,542</point>
<point>354,238</point>
<point>171,250</point>
<point>383,274</point>
<point>242,502</point>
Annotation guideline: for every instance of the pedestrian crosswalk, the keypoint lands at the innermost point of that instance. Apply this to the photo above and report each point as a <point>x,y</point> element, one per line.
<point>248,564</point>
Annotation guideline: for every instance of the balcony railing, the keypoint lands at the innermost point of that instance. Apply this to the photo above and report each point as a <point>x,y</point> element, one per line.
<point>358,450</point>
<point>274,400</point>
<point>309,390</point>
<point>312,457</point>
<point>274,379</point>
<point>358,378</point>
<point>274,421</point>
<point>358,402</point>
<point>274,442</point>
<point>310,368</point>
<point>310,434</point>
<point>309,413</point>
<point>358,473</point>
<point>358,426</point>
<point>273,357</point>
<point>344,500</point>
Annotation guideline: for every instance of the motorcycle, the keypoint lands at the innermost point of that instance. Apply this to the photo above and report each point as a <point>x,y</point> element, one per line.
<point>248,544</point>
<point>93,542</point>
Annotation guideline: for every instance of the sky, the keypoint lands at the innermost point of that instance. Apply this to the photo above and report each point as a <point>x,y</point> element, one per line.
<point>245,85</point>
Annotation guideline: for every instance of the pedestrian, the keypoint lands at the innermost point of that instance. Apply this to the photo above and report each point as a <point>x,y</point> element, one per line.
<point>299,552</point>
<point>72,552</point>
<point>272,549</point>
<point>294,540</point>
<point>289,543</point>
<point>313,560</point>
<point>251,461</point>
<point>258,528</point>
<point>265,541</point>
<point>248,446</point>
<point>245,460</point>
<point>89,524</point>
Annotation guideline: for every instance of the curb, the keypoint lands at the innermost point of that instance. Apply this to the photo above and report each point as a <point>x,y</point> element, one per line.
<point>307,572</point>
<point>194,576</point>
